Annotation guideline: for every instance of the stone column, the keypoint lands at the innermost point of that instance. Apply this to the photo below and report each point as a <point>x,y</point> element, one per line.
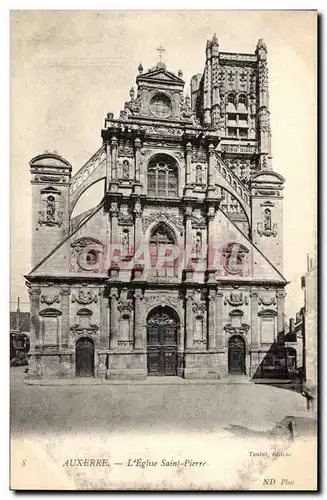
<point>137,144</point>
<point>114,239</point>
<point>280,311</point>
<point>211,152</point>
<point>137,225</point>
<point>211,240</point>
<point>108,164</point>
<point>255,333</point>
<point>189,319</point>
<point>65,329</point>
<point>220,333</point>
<point>188,163</point>
<point>104,337</point>
<point>211,319</point>
<point>114,147</point>
<point>114,319</point>
<point>139,340</point>
<point>188,236</point>
<point>35,334</point>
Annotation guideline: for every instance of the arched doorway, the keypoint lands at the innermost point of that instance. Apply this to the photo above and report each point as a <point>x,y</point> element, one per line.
<point>236,355</point>
<point>84,358</point>
<point>162,338</point>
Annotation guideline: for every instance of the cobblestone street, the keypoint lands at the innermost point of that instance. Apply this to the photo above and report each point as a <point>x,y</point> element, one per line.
<point>113,408</point>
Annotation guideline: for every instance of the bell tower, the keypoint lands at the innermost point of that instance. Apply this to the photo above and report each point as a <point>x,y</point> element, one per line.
<point>50,179</point>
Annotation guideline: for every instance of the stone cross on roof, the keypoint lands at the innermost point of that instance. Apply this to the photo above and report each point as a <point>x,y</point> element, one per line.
<point>160,50</point>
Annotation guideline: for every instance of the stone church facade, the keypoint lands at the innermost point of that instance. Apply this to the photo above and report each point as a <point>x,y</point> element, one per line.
<point>178,270</point>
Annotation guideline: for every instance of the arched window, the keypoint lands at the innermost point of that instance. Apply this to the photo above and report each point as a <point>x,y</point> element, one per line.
<point>242,102</point>
<point>162,252</point>
<point>231,100</point>
<point>162,177</point>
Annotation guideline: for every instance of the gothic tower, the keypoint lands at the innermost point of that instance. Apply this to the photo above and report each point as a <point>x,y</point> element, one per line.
<point>232,96</point>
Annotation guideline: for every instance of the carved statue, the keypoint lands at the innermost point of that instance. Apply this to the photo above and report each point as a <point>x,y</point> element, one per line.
<point>51,207</point>
<point>267,220</point>
<point>198,174</point>
<point>125,170</point>
<point>125,242</point>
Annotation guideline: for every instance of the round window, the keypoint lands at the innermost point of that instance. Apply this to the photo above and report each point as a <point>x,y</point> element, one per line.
<point>92,257</point>
<point>160,106</point>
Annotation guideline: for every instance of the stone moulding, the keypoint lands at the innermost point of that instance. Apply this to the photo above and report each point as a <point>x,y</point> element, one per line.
<point>79,330</point>
<point>50,299</point>
<point>237,330</point>
<point>236,299</point>
<point>85,297</point>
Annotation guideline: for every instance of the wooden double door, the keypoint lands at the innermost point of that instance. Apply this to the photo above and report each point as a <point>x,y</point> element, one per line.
<point>162,333</point>
<point>84,358</point>
<point>236,355</point>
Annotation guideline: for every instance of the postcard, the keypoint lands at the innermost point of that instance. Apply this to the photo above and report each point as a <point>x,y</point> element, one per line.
<point>163,330</point>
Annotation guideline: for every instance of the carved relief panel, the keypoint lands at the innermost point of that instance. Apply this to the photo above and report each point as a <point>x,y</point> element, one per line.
<point>234,261</point>
<point>51,213</point>
<point>267,227</point>
<point>87,255</point>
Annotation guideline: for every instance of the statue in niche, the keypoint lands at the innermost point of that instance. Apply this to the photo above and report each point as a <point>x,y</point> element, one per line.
<point>51,207</point>
<point>125,240</point>
<point>198,174</point>
<point>126,250</point>
<point>198,243</point>
<point>125,169</point>
<point>266,228</point>
<point>267,220</point>
<point>197,246</point>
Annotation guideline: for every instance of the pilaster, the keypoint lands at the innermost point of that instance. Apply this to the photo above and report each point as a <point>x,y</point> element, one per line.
<point>104,334</point>
<point>114,318</point>
<point>137,225</point>
<point>114,237</point>
<point>188,237</point>
<point>189,319</point>
<point>281,294</point>
<point>35,340</point>
<point>139,337</point>
<point>114,148</point>
<point>188,171</point>
<point>220,332</point>
<point>65,332</point>
<point>255,333</point>
<point>211,319</point>
<point>108,164</point>
<point>211,153</point>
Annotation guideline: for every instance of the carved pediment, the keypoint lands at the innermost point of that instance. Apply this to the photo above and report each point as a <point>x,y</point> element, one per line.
<point>159,75</point>
<point>50,190</point>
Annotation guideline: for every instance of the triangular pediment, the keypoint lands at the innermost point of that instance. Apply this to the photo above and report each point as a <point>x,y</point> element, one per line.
<point>160,75</point>
<point>50,190</point>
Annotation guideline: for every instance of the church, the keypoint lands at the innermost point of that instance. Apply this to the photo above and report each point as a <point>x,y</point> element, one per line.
<point>177,271</point>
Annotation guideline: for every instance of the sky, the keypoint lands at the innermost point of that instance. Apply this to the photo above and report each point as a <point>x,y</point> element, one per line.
<point>69,68</point>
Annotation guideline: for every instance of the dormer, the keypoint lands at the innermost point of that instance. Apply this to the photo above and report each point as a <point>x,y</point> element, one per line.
<point>159,96</point>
